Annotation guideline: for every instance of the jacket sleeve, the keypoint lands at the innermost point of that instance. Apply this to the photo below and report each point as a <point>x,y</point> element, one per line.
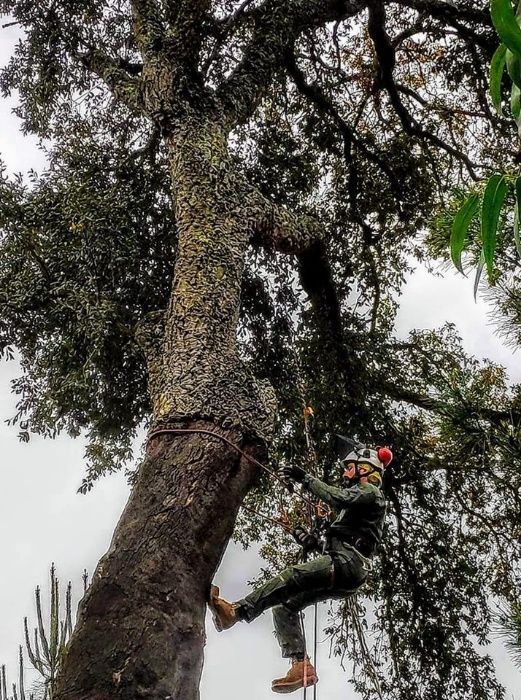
<point>339,498</point>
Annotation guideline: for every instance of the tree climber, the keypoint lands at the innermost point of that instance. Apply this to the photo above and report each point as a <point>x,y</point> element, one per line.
<point>341,569</point>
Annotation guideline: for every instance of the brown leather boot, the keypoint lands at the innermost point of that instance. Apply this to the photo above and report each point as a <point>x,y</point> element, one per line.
<point>301,675</point>
<point>224,615</point>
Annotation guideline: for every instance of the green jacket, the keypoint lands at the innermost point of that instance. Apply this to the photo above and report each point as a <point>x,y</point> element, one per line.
<point>360,515</point>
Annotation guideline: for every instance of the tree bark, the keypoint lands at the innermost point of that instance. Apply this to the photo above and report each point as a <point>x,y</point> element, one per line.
<point>140,630</point>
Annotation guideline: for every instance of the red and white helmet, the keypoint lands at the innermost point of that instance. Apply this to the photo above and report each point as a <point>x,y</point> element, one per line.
<point>379,458</point>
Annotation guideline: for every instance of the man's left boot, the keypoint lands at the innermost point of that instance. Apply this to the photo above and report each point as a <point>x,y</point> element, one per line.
<point>301,675</point>
<point>224,613</point>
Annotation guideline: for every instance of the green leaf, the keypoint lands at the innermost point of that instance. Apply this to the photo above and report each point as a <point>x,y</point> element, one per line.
<point>479,270</point>
<point>514,67</point>
<point>517,216</point>
<point>515,102</point>
<point>460,227</point>
<point>506,24</point>
<point>497,68</point>
<point>493,198</point>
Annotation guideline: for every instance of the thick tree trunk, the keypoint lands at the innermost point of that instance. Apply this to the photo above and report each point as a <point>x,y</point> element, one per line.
<point>140,629</point>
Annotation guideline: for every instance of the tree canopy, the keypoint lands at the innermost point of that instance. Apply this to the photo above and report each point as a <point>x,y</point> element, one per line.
<point>361,119</point>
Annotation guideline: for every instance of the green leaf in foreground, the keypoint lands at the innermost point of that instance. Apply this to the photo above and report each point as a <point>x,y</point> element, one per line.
<point>514,67</point>
<point>479,270</point>
<point>493,199</point>
<point>497,68</point>
<point>506,24</point>
<point>517,216</point>
<point>515,102</point>
<point>460,227</point>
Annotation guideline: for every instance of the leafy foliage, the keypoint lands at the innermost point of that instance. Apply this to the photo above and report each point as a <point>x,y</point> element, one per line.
<point>508,621</point>
<point>88,248</point>
<point>83,260</point>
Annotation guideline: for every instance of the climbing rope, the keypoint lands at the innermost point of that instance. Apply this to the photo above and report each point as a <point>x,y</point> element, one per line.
<point>315,623</point>
<point>252,460</point>
<point>312,460</point>
<point>267,518</point>
<point>353,608</point>
<point>305,653</point>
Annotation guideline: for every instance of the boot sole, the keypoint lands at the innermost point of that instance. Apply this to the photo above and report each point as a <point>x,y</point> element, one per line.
<point>214,593</point>
<point>219,626</point>
<point>297,685</point>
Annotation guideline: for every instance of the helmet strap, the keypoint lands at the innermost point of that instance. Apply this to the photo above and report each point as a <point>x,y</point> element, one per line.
<point>375,478</point>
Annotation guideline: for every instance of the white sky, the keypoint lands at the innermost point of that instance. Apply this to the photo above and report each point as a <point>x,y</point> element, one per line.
<point>43,519</point>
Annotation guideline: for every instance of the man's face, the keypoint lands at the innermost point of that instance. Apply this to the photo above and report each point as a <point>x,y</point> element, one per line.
<point>349,470</point>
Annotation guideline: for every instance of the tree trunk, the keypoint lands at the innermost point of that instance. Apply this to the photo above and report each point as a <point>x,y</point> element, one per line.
<point>140,630</point>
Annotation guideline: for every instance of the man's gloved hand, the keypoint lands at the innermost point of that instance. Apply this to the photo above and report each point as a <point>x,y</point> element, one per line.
<point>293,473</point>
<point>305,539</point>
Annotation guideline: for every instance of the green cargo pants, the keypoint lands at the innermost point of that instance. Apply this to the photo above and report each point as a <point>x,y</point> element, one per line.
<point>324,578</point>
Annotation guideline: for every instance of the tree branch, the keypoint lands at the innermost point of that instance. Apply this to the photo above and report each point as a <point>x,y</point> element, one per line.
<point>121,84</point>
<point>148,24</point>
<point>385,54</point>
<point>276,228</point>
<point>448,11</point>
<point>185,35</point>
<point>316,278</point>
<point>276,24</point>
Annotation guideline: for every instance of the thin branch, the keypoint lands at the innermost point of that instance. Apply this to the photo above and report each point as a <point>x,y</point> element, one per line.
<point>438,107</point>
<point>385,54</point>
<point>276,24</point>
<point>239,12</point>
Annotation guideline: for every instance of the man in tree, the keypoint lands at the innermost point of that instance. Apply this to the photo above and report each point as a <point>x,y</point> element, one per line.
<point>341,569</point>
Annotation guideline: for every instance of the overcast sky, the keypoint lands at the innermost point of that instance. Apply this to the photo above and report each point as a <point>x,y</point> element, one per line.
<point>43,519</point>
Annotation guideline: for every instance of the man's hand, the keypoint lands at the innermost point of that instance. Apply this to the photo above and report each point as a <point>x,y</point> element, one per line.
<point>305,539</point>
<point>293,473</point>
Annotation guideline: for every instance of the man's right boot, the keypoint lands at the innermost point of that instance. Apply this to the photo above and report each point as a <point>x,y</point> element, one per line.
<point>301,675</point>
<point>224,613</point>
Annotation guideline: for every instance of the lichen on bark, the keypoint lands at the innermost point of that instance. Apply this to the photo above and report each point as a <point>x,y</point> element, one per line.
<point>201,372</point>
